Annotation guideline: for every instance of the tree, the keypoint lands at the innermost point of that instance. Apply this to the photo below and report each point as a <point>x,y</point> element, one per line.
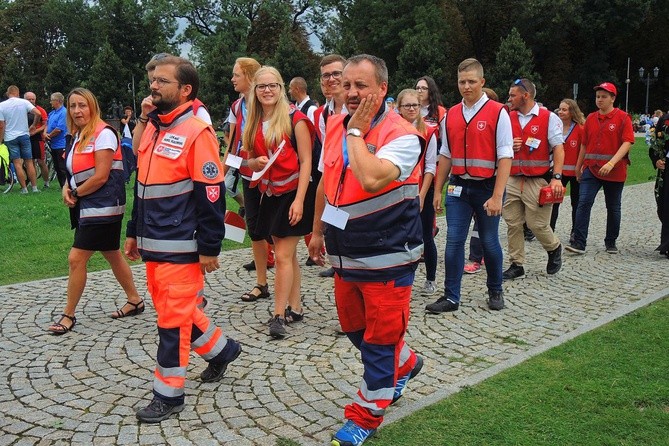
<point>513,60</point>
<point>107,79</point>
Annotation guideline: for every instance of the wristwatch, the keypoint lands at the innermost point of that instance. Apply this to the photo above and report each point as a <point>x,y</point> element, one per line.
<point>557,176</point>
<point>354,132</point>
<point>74,193</point>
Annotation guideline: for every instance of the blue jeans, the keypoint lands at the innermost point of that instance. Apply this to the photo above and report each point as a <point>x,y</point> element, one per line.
<point>613,192</point>
<point>458,217</point>
<point>429,247</point>
<point>20,148</point>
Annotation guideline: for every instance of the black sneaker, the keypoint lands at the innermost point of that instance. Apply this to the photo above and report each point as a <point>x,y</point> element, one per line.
<point>327,273</point>
<point>528,234</point>
<point>157,411</point>
<point>611,248</point>
<point>442,305</point>
<point>495,300</point>
<point>277,327</point>
<point>290,316</point>
<point>554,260</point>
<point>251,266</point>
<point>215,371</point>
<point>514,272</point>
<point>310,262</point>
<point>575,248</point>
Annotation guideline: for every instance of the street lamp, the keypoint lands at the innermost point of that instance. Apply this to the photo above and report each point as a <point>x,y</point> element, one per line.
<point>648,80</point>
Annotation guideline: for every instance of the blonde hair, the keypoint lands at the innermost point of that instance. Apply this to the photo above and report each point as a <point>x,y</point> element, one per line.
<point>279,123</point>
<point>574,111</point>
<point>89,129</point>
<point>420,122</point>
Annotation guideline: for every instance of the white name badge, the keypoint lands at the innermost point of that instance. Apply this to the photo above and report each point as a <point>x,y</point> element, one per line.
<point>175,140</point>
<point>335,216</point>
<point>533,143</point>
<point>88,149</point>
<point>168,152</point>
<point>454,191</point>
<point>233,161</point>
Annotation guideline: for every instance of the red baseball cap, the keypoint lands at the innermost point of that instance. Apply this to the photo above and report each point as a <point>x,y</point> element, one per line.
<point>607,86</point>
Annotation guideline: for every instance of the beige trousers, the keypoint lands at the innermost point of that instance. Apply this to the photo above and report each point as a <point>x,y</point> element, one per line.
<point>521,206</point>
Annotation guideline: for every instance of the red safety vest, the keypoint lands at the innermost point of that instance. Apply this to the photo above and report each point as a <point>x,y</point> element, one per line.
<point>166,223</point>
<point>430,132</point>
<point>383,238</point>
<point>473,144</point>
<point>603,135</point>
<point>572,145</point>
<point>528,161</point>
<point>236,143</point>
<point>107,204</point>
<point>317,118</point>
<point>284,175</point>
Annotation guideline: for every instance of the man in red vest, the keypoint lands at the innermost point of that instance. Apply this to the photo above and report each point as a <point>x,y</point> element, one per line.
<point>602,163</point>
<point>368,199</point>
<point>537,162</point>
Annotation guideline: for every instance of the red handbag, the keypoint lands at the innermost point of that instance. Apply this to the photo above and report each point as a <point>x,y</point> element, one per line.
<point>546,196</point>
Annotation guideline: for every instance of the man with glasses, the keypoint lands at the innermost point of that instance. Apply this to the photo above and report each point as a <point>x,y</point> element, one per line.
<point>177,229</point>
<point>56,132</point>
<point>537,163</point>
<point>476,151</point>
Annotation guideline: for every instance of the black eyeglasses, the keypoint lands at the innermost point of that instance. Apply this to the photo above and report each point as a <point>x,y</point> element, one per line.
<point>333,75</point>
<point>421,88</point>
<point>410,106</point>
<point>271,87</point>
<point>521,83</point>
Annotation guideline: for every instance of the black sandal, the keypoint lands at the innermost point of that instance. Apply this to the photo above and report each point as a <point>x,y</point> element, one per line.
<point>250,297</point>
<point>57,328</point>
<point>139,308</point>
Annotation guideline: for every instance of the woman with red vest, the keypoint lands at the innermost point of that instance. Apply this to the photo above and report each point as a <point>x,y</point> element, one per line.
<point>430,101</point>
<point>572,129</point>
<point>95,194</point>
<point>409,107</point>
<point>273,128</point>
<point>602,163</point>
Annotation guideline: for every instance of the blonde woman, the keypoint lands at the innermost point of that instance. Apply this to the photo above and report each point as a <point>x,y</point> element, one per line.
<point>409,106</point>
<point>95,194</point>
<point>272,126</point>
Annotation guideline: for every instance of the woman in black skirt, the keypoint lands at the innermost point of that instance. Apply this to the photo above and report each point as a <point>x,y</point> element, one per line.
<point>271,128</point>
<point>95,194</point>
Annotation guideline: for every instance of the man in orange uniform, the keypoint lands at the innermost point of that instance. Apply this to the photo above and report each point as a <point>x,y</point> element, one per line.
<point>370,164</point>
<point>177,228</point>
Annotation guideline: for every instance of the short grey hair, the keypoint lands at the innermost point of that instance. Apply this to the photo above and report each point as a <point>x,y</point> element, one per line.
<point>58,96</point>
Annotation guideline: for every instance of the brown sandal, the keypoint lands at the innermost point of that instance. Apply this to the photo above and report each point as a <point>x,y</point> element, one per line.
<point>139,308</point>
<point>250,297</point>
<point>57,328</point>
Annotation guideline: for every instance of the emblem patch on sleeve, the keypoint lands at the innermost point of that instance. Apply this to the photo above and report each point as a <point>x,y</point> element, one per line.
<point>213,192</point>
<point>210,170</point>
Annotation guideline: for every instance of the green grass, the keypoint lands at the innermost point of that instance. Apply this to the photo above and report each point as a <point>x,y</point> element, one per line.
<point>37,238</point>
<point>606,387</point>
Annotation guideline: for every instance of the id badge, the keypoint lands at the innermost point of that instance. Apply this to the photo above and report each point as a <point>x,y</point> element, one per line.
<point>533,143</point>
<point>334,216</point>
<point>454,191</point>
<point>233,161</point>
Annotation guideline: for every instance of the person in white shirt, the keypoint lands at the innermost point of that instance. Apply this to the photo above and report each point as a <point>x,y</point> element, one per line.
<point>298,92</point>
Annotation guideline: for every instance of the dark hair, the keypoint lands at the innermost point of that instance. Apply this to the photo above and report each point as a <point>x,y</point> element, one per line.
<point>186,73</point>
<point>380,68</point>
<point>433,97</point>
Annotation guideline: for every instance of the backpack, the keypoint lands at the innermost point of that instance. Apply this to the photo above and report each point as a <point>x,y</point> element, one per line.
<point>4,164</point>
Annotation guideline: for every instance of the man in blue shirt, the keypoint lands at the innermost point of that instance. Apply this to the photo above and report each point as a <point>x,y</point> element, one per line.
<point>56,130</point>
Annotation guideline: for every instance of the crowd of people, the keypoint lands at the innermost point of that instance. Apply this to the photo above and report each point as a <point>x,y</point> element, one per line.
<point>360,177</point>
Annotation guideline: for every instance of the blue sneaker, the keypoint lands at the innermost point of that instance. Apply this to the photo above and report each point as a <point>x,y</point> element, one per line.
<point>351,435</point>
<point>402,382</point>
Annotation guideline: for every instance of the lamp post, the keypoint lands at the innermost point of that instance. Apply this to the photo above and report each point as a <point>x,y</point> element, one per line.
<point>648,80</point>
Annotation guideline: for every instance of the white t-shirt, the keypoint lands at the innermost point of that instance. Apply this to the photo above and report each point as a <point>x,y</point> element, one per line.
<point>14,112</point>
<point>106,140</point>
<point>203,114</point>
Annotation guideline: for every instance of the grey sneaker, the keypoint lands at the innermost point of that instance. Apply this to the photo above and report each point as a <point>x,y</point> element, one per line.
<point>429,288</point>
<point>277,327</point>
<point>495,300</point>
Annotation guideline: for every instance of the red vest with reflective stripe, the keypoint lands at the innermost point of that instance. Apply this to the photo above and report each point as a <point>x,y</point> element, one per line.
<point>317,118</point>
<point>283,176</point>
<point>107,204</point>
<point>604,138</point>
<point>528,161</point>
<point>167,222</point>
<point>473,145</point>
<point>572,145</point>
<point>235,145</point>
<point>383,236</point>
<point>429,133</point>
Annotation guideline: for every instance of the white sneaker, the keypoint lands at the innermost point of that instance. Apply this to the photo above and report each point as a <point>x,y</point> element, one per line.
<point>36,191</point>
<point>24,191</point>
<point>429,288</point>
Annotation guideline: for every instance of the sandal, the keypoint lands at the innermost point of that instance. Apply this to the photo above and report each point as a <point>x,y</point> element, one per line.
<point>138,308</point>
<point>58,328</point>
<point>250,297</point>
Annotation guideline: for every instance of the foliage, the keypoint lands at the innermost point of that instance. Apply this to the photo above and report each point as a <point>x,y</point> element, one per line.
<point>513,60</point>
